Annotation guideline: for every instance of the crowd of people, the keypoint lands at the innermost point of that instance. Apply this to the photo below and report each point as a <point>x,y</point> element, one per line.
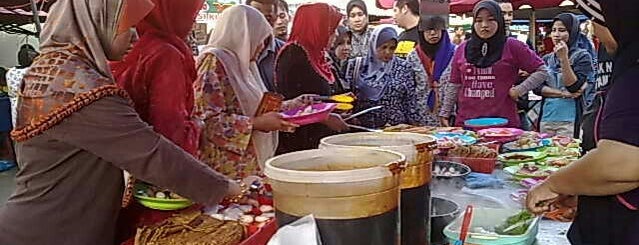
<point>134,98</point>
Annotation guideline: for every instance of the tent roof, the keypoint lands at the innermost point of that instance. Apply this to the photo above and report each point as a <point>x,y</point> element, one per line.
<point>16,13</point>
<point>465,6</point>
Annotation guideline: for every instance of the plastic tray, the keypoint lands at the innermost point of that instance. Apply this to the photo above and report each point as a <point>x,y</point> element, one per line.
<point>322,113</point>
<point>263,235</point>
<point>478,165</point>
<point>489,217</point>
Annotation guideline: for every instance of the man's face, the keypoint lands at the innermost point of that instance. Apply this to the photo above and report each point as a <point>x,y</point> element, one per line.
<point>281,23</point>
<point>268,10</point>
<point>357,19</point>
<point>400,13</point>
<point>509,14</point>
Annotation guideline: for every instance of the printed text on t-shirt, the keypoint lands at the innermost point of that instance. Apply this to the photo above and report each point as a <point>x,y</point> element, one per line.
<point>480,82</point>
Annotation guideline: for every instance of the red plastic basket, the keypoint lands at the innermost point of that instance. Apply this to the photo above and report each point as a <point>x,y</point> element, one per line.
<point>479,165</point>
<point>262,236</point>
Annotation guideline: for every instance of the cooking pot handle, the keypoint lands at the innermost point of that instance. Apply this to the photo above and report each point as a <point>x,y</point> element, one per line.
<point>396,167</point>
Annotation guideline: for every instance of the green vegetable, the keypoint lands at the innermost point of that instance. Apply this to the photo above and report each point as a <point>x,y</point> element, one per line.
<point>521,228</point>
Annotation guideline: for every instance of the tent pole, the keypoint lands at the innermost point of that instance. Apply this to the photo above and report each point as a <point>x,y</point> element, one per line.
<point>533,30</point>
<point>36,18</point>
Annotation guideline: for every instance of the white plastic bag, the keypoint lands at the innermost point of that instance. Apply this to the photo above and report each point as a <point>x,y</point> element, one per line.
<point>301,232</point>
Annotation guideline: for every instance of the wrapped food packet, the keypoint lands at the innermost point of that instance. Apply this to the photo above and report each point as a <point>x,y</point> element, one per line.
<point>302,231</point>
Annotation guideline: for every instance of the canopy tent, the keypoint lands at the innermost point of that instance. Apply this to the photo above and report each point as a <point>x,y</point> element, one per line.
<point>465,6</point>
<point>14,14</point>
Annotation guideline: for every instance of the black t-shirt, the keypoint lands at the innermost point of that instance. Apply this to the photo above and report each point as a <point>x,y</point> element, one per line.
<point>407,42</point>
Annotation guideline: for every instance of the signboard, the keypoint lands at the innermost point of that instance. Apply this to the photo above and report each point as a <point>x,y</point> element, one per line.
<point>433,13</point>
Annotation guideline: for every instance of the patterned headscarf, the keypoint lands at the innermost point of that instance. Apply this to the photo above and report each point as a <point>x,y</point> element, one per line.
<point>72,70</point>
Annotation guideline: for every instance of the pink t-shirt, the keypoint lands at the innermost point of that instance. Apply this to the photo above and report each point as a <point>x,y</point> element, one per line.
<point>484,91</point>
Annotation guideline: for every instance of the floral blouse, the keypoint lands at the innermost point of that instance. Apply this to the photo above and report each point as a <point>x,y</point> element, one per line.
<point>226,144</point>
<point>423,88</point>
<point>398,100</point>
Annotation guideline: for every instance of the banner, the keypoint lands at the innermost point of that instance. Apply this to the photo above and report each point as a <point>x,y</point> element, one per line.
<point>433,12</point>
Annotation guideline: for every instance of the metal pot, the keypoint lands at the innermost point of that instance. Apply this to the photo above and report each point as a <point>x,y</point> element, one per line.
<point>457,180</point>
<point>443,212</point>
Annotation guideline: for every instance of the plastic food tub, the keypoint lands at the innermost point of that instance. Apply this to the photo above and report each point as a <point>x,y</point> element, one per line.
<point>478,165</point>
<point>489,217</point>
<point>322,111</point>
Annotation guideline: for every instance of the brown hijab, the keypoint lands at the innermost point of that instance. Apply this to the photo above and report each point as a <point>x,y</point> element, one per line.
<point>72,70</point>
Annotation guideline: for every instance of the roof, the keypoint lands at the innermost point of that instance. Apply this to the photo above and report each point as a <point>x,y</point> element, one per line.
<point>14,14</point>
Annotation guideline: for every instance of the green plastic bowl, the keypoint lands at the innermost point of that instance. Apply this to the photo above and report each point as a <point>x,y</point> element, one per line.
<point>163,204</point>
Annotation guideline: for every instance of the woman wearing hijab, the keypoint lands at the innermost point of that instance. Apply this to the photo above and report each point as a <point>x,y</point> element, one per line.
<point>386,81</point>
<point>159,72</point>
<point>76,132</point>
<point>158,75</point>
<point>607,178</point>
<point>358,25</point>
<point>338,55</point>
<point>228,91</point>
<point>431,65</point>
<point>302,68</point>
<point>569,67</point>
<point>485,70</point>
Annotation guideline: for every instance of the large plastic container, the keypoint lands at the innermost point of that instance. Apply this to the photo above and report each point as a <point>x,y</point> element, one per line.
<point>352,192</point>
<point>415,190</point>
<point>489,217</point>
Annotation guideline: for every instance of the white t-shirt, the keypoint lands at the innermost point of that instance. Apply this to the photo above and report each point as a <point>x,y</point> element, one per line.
<point>14,81</point>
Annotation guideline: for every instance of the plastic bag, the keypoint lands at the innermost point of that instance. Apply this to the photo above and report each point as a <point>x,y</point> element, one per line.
<point>303,232</point>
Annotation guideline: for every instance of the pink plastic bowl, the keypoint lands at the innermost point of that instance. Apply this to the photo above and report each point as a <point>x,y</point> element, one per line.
<point>322,112</point>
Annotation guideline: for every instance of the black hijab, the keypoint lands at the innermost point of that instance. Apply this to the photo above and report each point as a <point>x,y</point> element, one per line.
<point>485,52</point>
<point>427,24</point>
<point>572,25</point>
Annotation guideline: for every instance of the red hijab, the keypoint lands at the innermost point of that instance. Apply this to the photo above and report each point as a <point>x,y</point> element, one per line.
<point>159,72</point>
<point>313,26</point>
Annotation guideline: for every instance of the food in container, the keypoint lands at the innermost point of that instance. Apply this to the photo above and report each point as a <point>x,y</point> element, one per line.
<point>521,157</point>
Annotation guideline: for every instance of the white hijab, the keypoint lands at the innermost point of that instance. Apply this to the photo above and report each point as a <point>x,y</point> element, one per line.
<point>238,32</point>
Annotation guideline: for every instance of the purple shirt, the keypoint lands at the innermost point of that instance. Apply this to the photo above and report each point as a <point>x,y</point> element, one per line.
<point>484,91</point>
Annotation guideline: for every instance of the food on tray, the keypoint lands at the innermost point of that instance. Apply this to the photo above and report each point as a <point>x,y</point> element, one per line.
<point>306,111</point>
<point>527,169</point>
<point>563,141</point>
<point>446,172</point>
<point>562,151</point>
<point>450,142</point>
<point>427,129</point>
<point>156,192</point>
<point>523,144</point>
<point>519,157</point>
<point>191,227</point>
<point>559,162</point>
<point>515,225</point>
<point>473,151</point>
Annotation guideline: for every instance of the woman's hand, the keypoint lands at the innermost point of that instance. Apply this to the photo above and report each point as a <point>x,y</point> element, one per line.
<point>561,50</point>
<point>273,121</point>
<point>335,122</point>
<point>444,121</point>
<point>514,94</point>
<point>300,101</point>
<point>540,198</point>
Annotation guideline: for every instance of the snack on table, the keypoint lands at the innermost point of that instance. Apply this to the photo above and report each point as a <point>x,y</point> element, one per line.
<point>191,228</point>
<point>473,151</point>
<point>519,157</point>
<point>559,161</point>
<point>156,192</point>
<point>527,169</point>
<point>523,144</point>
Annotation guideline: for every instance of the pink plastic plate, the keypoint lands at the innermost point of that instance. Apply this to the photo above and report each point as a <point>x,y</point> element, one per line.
<point>321,113</point>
